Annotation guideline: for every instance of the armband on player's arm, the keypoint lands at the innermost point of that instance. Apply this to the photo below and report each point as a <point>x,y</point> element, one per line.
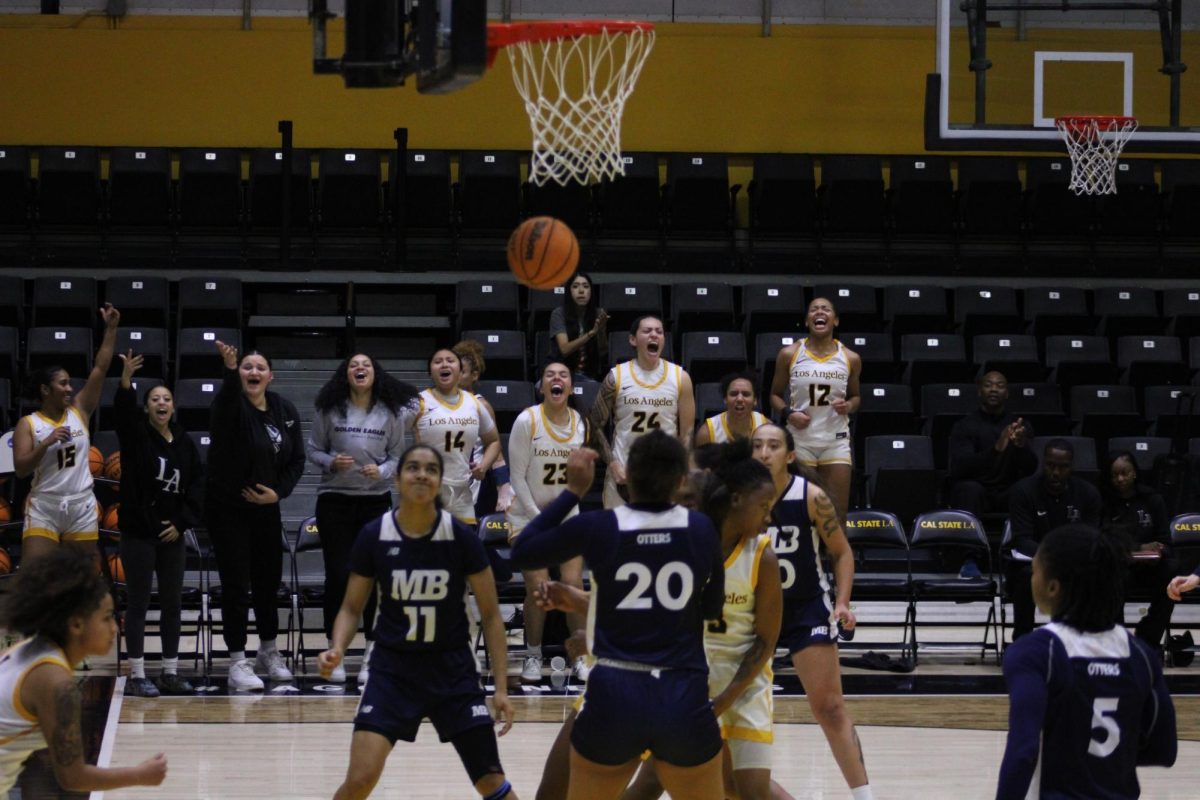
<point>501,474</point>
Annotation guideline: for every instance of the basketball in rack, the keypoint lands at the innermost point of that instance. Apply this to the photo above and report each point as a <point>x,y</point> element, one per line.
<point>1095,144</point>
<point>574,77</point>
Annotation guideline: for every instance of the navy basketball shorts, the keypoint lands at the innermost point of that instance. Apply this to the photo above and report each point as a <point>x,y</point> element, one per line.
<point>406,687</point>
<point>627,712</point>
<point>806,623</point>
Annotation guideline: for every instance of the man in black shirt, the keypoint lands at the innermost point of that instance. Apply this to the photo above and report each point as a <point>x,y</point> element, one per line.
<point>1037,505</point>
<point>988,454</point>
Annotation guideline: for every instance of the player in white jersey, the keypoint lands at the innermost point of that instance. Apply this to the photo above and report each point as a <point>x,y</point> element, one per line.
<point>815,390</point>
<point>52,444</point>
<point>470,353</point>
<point>450,420</point>
<point>739,419</point>
<point>541,439</point>
<point>644,394</point>
<point>65,608</point>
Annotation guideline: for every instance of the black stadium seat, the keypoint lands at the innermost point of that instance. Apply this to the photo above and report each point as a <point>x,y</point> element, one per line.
<point>504,352</point>
<point>489,194</point>
<point>1086,464</point>
<point>851,195</point>
<point>696,195</point>
<point>1181,197</point>
<point>697,306</point>
<point>141,299</point>
<point>1014,355</point>
<point>68,186</point>
<point>1053,208</point>
<point>709,356</point>
<point>1151,360</point>
<point>990,196</point>
<point>1079,359</point>
<point>625,301</point>
<point>1127,311</point>
<point>1145,450</point>
<point>508,399</point>
<point>210,302</point>
<point>70,348</point>
<point>14,186</point>
<point>900,474</point>
<point>632,203</point>
<point>984,309</point>
<point>912,308</point>
<point>574,204</point>
<point>1053,310</point>
<point>487,304</point>
<point>265,189</point>
<point>149,343</point>
<point>774,306</point>
<point>66,300</point>
<point>934,356</point>
<point>1134,209</point>
<point>139,186</point>
<point>855,304</point>
<point>1181,308</point>
<point>428,195</point>
<point>922,195</point>
<point>351,190</point>
<point>196,353</point>
<point>210,188</point>
<point>782,193</point>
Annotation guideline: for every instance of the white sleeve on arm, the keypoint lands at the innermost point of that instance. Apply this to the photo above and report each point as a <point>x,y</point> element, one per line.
<point>486,423</point>
<point>519,453</point>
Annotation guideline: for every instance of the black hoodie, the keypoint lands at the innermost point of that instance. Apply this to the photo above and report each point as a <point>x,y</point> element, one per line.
<point>160,480</point>
<point>250,446</point>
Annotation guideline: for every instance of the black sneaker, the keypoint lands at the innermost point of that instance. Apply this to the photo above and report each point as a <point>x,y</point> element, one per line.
<point>171,683</point>
<point>141,687</point>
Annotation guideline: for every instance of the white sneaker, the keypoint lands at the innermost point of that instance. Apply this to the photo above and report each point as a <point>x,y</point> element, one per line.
<point>532,671</point>
<point>338,675</point>
<point>365,671</point>
<point>271,662</point>
<point>242,677</point>
<point>581,669</point>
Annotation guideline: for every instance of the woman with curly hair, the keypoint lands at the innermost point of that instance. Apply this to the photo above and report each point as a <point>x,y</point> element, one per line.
<point>64,607</point>
<point>356,439</point>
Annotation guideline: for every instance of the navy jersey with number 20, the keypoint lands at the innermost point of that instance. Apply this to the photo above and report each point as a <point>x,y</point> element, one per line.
<point>421,582</point>
<point>657,574</point>
<point>1086,709</point>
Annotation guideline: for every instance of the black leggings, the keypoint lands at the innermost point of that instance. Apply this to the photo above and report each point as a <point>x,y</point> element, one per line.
<point>248,542</point>
<point>339,519</point>
<point>142,559</point>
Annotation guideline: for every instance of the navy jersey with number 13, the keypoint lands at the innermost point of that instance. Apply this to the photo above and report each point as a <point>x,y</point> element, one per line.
<point>657,574</point>
<point>421,582</point>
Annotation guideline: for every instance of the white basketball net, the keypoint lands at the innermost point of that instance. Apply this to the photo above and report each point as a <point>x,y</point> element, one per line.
<point>1095,144</point>
<point>575,91</point>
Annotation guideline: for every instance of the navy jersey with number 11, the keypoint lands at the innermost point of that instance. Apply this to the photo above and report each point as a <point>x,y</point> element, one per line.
<point>1086,709</point>
<point>657,575</point>
<point>421,582</point>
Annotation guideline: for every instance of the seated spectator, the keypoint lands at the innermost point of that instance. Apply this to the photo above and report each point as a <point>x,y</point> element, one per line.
<point>1137,516</point>
<point>1037,505</point>
<point>579,332</point>
<point>988,454</point>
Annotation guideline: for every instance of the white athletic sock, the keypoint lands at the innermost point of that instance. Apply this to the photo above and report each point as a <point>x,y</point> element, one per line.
<point>265,646</point>
<point>236,656</point>
<point>862,793</point>
<point>535,650</point>
<point>170,666</point>
<point>137,667</point>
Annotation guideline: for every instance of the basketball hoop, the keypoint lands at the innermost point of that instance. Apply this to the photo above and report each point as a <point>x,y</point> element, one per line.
<point>574,77</point>
<point>1095,144</point>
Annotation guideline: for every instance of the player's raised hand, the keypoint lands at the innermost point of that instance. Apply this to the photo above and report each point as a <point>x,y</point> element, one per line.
<point>110,315</point>
<point>229,354</point>
<point>581,470</point>
<point>130,363</point>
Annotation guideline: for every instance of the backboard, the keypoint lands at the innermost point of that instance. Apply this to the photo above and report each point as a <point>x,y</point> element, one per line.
<point>1005,70</point>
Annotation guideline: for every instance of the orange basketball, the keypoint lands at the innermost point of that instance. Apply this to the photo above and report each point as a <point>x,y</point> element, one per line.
<point>95,460</point>
<point>112,466</point>
<point>5,511</point>
<point>116,569</point>
<point>112,519</point>
<point>543,252</point>
<point>5,562</point>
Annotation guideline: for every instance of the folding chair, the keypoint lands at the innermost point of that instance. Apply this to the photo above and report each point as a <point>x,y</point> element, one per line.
<point>510,584</point>
<point>882,569</point>
<point>941,540</point>
<point>307,576</point>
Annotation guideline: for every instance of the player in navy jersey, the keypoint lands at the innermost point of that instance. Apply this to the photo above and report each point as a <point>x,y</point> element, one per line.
<point>422,560</point>
<point>803,519</point>
<point>1087,700</point>
<point>657,576</point>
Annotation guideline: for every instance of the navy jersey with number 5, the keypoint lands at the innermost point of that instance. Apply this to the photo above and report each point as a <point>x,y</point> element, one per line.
<point>1085,710</point>
<point>421,582</point>
<point>657,574</point>
<point>795,543</point>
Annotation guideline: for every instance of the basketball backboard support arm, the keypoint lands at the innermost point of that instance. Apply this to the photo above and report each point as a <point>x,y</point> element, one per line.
<point>442,42</point>
<point>1169,12</point>
<point>944,132</point>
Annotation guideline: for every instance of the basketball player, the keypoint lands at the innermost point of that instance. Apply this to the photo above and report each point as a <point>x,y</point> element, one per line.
<point>1087,700</point>
<point>470,353</point>
<point>64,605</point>
<point>542,437</point>
<point>52,444</point>
<point>643,394</point>
<point>802,520</point>
<point>739,419</point>
<point>658,574</point>
<point>450,420</point>
<point>815,390</point>
<point>421,560</point>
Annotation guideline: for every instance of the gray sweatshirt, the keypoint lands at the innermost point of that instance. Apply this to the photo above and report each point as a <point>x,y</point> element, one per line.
<point>371,437</point>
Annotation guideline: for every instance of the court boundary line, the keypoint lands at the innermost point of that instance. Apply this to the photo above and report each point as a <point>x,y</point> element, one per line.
<point>110,730</point>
